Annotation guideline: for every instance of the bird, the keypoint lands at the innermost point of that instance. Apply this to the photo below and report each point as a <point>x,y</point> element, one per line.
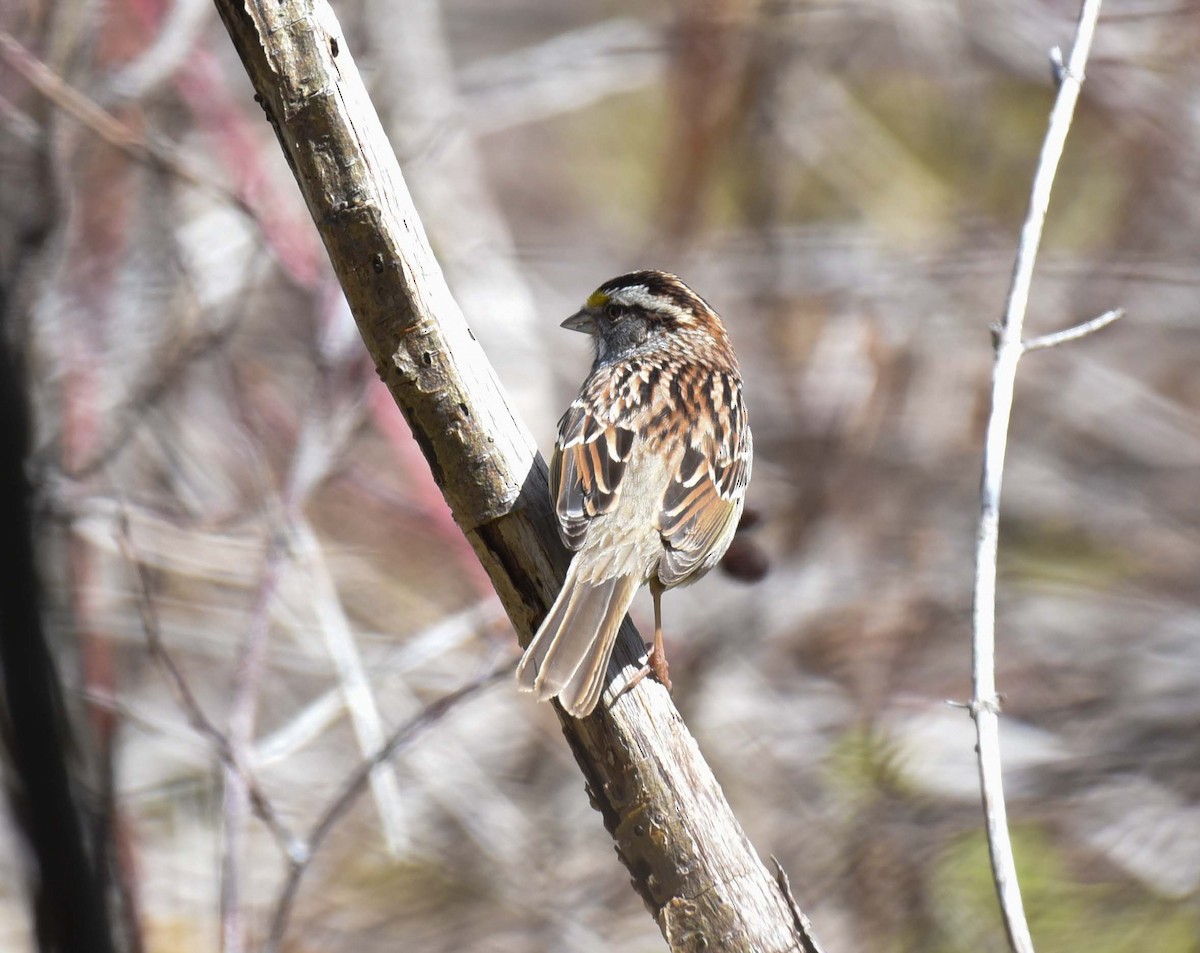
<point>648,477</point>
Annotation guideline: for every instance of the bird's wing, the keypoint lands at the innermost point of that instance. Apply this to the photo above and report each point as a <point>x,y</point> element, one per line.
<point>586,469</point>
<point>703,500</point>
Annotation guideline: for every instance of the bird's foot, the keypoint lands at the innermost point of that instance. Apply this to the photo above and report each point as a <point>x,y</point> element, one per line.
<point>656,662</point>
<point>656,665</point>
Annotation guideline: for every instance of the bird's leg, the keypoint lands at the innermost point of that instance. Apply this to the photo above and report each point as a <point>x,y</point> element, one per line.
<point>656,661</point>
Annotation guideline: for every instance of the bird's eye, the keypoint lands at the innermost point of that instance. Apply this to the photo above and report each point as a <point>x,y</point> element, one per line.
<point>615,311</point>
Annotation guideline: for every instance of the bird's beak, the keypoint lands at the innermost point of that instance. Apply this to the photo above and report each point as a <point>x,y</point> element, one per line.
<point>581,321</point>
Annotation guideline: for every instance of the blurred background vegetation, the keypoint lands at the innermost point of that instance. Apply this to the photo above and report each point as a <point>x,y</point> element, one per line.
<point>221,474</point>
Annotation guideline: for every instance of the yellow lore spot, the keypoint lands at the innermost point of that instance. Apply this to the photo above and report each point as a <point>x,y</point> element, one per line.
<point>597,299</point>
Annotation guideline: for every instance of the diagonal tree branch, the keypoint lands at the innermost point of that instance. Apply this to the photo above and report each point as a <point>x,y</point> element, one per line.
<point>690,860</point>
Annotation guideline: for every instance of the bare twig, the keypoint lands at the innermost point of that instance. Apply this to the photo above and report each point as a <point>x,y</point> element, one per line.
<point>439,639</point>
<point>1056,338</point>
<point>985,703</point>
<point>354,786</point>
<point>176,37</point>
<point>187,700</point>
<point>199,85</point>
<point>352,677</point>
<point>803,924</point>
<point>293,545</point>
<point>423,493</point>
<point>207,94</point>
<point>147,395</point>
<point>103,123</point>
<point>563,74</point>
<point>316,451</point>
<point>474,242</point>
<point>247,677</point>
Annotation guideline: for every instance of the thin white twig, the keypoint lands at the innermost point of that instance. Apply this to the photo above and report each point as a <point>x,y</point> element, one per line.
<point>247,679</point>
<point>439,639</point>
<point>182,26</point>
<point>358,779</point>
<point>1073,334</point>
<point>315,444</point>
<point>105,124</point>
<point>352,678</point>
<point>985,703</point>
<point>561,75</point>
<point>186,699</point>
<point>445,171</point>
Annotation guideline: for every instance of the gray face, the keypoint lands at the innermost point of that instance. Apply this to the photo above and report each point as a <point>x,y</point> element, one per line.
<point>623,323</point>
<point>617,337</point>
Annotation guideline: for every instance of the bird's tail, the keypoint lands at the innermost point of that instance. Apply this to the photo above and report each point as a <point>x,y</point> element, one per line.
<point>569,654</point>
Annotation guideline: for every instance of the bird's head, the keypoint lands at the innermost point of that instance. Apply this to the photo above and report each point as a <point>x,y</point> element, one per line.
<point>639,310</point>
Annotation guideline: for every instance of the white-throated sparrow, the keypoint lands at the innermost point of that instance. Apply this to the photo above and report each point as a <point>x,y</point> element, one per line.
<point>648,475</point>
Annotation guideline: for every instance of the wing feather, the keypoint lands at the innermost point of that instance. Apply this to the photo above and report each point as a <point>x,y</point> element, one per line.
<point>703,502</point>
<point>586,470</point>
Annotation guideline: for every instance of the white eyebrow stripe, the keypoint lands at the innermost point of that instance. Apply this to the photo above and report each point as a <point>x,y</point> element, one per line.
<point>639,296</point>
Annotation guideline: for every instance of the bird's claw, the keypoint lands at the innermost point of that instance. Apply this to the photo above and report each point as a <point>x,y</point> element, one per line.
<point>655,665</point>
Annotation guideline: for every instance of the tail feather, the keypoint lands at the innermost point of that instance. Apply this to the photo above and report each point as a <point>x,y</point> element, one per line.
<point>569,654</point>
<point>575,640</point>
